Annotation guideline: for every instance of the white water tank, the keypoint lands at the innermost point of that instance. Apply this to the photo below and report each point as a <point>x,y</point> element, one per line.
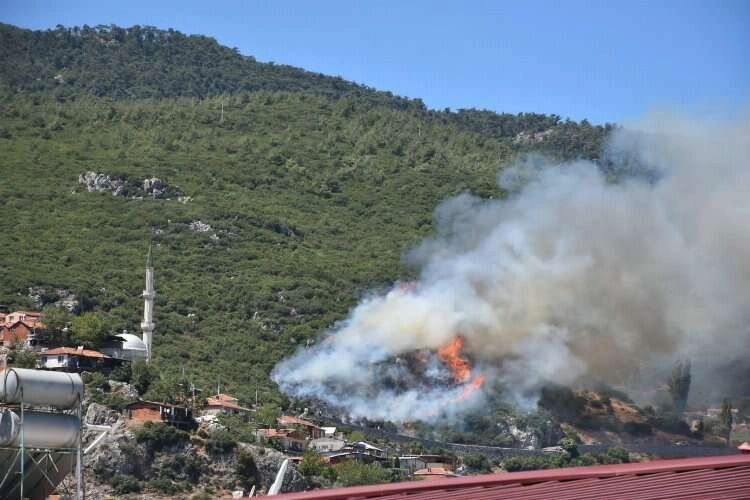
<point>40,388</point>
<point>40,430</point>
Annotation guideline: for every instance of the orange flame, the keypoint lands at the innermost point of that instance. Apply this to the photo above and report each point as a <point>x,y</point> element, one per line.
<point>471,387</point>
<point>450,355</point>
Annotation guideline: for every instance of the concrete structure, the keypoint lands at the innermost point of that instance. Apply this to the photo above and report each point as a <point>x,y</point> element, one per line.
<point>327,444</point>
<point>149,294</point>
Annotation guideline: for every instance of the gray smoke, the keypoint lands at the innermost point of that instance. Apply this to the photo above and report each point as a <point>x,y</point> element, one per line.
<point>572,275</point>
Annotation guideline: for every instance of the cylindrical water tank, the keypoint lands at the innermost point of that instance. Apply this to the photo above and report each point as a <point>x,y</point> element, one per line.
<point>40,429</point>
<point>42,388</point>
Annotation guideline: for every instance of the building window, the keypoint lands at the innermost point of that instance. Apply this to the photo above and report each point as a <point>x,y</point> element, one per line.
<point>60,359</point>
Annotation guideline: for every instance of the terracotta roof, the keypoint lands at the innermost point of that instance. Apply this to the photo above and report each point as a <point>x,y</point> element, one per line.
<point>224,401</point>
<point>72,351</point>
<point>288,433</point>
<point>29,323</point>
<point>289,420</point>
<point>726,477</point>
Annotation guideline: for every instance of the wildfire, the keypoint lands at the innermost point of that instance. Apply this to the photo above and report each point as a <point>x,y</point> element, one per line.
<point>450,355</point>
<point>471,387</point>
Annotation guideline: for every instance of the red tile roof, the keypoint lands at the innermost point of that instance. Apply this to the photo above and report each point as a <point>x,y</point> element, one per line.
<point>280,433</point>
<point>224,401</point>
<point>72,351</point>
<point>726,477</point>
<point>289,420</point>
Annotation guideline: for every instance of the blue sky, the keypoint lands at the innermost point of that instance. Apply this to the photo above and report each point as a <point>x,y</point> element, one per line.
<point>601,60</point>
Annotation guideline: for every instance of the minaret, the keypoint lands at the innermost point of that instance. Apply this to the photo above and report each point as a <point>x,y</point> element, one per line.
<point>147,325</point>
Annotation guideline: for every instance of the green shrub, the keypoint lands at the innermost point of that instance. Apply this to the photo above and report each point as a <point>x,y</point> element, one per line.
<point>478,463</point>
<point>351,473</point>
<point>247,470</point>
<point>533,462</point>
<point>620,454</point>
<point>220,442</point>
<point>158,436</point>
<point>165,486</point>
<point>312,464</point>
<point>123,485</point>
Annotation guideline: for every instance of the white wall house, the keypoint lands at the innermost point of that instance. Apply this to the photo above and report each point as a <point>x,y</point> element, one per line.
<point>70,358</point>
<point>326,444</point>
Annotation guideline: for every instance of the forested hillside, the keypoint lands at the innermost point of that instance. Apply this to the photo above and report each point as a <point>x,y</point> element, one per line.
<point>291,194</point>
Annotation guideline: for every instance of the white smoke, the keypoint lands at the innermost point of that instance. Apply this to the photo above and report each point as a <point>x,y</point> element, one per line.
<point>570,275</point>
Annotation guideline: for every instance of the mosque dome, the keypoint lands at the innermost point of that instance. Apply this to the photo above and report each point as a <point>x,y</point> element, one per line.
<point>131,342</point>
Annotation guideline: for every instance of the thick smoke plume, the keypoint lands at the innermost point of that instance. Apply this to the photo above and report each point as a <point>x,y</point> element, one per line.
<point>571,275</point>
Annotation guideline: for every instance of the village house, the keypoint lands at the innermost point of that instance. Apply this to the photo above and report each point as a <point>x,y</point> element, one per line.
<point>288,439</point>
<point>224,404</point>
<point>368,449</point>
<point>30,317</point>
<point>331,432</point>
<point>21,327</point>
<point>308,429</point>
<point>74,359</point>
<point>141,412</point>
<point>326,443</point>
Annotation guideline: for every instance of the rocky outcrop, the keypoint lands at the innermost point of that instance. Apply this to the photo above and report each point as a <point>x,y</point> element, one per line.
<point>155,187</point>
<point>186,461</point>
<point>60,297</point>
<point>99,183</point>
<point>200,226</point>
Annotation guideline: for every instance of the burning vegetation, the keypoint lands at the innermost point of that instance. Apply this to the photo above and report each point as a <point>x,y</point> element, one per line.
<point>571,276</point>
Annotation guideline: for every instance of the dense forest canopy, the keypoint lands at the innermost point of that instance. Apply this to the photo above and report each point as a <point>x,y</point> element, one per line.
<point>311,188</point>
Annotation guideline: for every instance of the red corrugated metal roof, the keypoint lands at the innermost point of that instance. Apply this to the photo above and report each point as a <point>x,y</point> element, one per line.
<point>726,477</point>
